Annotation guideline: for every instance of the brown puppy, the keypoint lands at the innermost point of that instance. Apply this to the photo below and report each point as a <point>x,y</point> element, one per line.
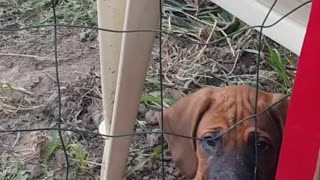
<point>210,112</point>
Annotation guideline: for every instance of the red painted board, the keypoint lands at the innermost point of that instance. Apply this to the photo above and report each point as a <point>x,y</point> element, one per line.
<point>301,140</point>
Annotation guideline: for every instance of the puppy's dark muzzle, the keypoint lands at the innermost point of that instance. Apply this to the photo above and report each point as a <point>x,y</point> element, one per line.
<point>230,167</point>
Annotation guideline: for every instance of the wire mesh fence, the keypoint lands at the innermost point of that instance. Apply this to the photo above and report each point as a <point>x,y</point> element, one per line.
<point>162,36</point>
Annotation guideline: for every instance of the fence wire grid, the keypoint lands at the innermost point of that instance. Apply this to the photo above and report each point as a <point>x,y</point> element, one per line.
<point>160,31</point>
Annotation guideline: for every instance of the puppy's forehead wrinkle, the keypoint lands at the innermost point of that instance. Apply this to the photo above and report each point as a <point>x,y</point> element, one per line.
<point>231,119</point>
<point>235,106</point>
<point>227,109</point>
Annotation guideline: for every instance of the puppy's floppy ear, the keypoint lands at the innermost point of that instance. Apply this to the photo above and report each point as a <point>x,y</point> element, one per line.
<point>182,118</point>
<point>279,110</point>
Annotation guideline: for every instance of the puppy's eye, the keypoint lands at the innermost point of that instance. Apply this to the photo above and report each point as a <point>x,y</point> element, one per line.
<point>210,141</point>
<point>262,146</point>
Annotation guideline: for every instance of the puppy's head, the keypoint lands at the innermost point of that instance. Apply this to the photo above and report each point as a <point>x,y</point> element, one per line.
<point>209,113</point>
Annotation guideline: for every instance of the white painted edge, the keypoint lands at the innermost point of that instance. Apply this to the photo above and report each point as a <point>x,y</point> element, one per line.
<point>102,128</point>
<point>287,32</point>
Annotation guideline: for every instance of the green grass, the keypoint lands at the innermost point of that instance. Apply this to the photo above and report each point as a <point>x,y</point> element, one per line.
<point>197,22</point>
<point>145,158</point>
<point>167,101</point>
<point>53,145</point>
<point>79,12</point>
<point>76,154</point>
<point>278,63</point>
<point>16,172</point>
<point>4,86</point>
<point>78,157</point>
<point>156,152</point>
<point>82,12</point>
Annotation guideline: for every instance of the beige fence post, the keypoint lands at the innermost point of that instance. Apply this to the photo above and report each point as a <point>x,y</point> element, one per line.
<point>111,15</point>
<point>135,57</point>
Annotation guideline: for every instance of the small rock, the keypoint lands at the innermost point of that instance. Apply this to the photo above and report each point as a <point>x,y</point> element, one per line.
<point>35,171</point>
<point>252,69</point>
<point>97,117</point>
<point>176,173</point>
<point>153,139</point>
<point>35,81</point>
<point>84,36</point>
<point>268,74</point>
<point>87,36</point>
<point>170,170</point>
<point>60,158</point>
<point>71,105</point>
<point>143,109</point>
<point>176,94</point>
<point>39,67</point>
<point>152,117</point>
<point>155,94</point>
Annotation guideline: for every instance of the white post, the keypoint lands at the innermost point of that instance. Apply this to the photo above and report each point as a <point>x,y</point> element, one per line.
<point>134,61</point>
<point>296,22</point>
<point>111,15</point>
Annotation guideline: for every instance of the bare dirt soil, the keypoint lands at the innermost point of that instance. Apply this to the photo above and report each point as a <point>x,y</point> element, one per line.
<point>33,103</point>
